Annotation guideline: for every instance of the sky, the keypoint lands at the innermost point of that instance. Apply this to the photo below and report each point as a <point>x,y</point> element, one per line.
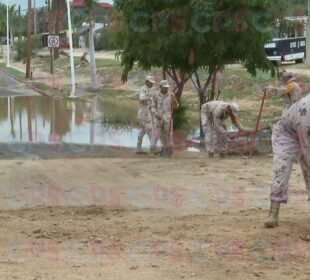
<point>39,3</point>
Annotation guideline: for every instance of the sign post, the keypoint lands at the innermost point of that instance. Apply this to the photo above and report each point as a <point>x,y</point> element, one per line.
<point>53,42</point>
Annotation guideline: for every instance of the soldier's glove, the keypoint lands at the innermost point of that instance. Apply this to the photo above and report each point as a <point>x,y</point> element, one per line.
<point>269,89</point>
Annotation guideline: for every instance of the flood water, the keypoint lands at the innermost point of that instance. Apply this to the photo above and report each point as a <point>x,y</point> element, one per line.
<point>39,119</point>
<point>96,121</point>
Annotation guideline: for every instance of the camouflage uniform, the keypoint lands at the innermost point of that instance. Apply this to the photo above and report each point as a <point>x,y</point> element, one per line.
<point>291,93</point>
<point>144,115</point>
<point>213,120</point>
<point>163,126</point>
<point>291,141</point>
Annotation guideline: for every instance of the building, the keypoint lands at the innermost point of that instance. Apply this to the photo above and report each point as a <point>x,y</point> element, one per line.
<point>101,12</point>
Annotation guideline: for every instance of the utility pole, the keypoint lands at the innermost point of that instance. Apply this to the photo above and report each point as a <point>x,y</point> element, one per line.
<point>308,36</point>
<point>29,42</point>
<point>50,30</point>
<point>34,17</point>
<point>19,24</point>
<point>7,36</point>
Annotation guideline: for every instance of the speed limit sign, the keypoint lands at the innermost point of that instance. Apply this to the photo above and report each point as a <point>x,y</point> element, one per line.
<point>53,41</point>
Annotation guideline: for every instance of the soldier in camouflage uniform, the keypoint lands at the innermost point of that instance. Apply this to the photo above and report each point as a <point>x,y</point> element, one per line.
<point>291,92</point>
<point>144,113</point>
<point>213,120</point>
<point>290,141</point>
<point>164,104</point>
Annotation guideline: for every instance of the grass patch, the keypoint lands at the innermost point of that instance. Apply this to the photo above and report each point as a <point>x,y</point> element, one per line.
<point>13,71</point>
<point>62,63</point>
<point>102,63</point>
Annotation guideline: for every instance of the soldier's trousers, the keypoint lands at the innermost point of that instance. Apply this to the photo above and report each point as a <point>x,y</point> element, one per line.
<point>145,128</point>
<point>212,145</point>
<point>162,130</point>
<point>288,146</point>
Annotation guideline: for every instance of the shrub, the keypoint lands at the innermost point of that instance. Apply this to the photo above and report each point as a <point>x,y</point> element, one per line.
<point>21,47</point>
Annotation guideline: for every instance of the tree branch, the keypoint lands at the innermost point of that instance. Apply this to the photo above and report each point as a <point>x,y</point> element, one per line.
<point>196,87</point>
<point>197,80</point>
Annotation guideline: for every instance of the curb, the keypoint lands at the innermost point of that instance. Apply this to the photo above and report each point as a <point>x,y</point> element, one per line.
<point>26,84</point>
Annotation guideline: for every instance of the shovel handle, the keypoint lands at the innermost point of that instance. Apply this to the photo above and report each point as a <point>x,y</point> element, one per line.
<point>257,122</point>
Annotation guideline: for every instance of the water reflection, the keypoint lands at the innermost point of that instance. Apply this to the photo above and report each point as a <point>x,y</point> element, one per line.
<point>97,121</point>
<point>39,119</point>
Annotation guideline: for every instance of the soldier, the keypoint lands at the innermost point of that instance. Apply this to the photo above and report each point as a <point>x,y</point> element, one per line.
<point>144,112</point>
<point>164,104</point>
<point>291,92</point>
<point>213,120</point>
<point>290,141</point>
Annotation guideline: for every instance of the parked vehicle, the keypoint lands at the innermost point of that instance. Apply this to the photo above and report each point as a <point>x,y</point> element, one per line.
<point>290,43</point>
<point>290,49</point>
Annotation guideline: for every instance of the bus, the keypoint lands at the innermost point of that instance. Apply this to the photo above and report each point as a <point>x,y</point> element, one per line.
<point>290,44</point>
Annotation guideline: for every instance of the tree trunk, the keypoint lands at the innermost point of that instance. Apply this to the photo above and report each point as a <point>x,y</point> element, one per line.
<point>213,87</point>
<point>29,41</point>
<point>57,30</point>
<point>202,100</point>
<point>164,74</point>
<point>179,92</point>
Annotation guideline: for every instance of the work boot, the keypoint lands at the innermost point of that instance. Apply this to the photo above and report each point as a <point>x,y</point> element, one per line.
<point>155,151</point>
<point>170,151</point>
<point>272,219</point>
<point>222,155</point>
<point>211,154</point>
<point>139,148</point>
<point>166,152</point>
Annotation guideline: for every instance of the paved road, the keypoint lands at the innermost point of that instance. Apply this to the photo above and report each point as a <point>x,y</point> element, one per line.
<point>9,87</point>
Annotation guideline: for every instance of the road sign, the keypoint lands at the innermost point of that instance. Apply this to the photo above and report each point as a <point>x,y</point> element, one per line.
<point>53,41</point>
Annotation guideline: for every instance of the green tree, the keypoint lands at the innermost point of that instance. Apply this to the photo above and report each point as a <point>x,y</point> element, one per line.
<point>195,38</point>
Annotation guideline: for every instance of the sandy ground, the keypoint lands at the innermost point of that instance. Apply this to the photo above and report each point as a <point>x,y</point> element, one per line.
<point>149,218</point>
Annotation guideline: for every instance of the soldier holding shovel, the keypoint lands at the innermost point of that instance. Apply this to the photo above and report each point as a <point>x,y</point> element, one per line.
<point>164,104</point>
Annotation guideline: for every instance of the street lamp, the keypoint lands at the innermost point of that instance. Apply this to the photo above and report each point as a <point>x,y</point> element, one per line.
<point>7,36</point>
<point>71,51</point>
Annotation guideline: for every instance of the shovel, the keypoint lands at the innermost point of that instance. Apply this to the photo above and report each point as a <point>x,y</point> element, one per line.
<point>257,123</point>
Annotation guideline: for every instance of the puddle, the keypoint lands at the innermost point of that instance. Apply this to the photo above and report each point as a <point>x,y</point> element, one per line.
<point>95,122</point>
<point>39,119</point>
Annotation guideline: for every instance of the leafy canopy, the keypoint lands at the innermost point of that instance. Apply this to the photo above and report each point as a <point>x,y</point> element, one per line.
<point>195,34</point>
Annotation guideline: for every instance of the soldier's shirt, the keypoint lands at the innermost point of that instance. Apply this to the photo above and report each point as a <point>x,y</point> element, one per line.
<point>291,93</point>
<point>215,112</point>
<point>145,102</point>
<point>162,105</point>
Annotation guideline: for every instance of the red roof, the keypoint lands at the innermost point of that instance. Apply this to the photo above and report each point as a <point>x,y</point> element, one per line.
<point>104,5</point>
<point>77,3</point>
<point>80,4</point>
